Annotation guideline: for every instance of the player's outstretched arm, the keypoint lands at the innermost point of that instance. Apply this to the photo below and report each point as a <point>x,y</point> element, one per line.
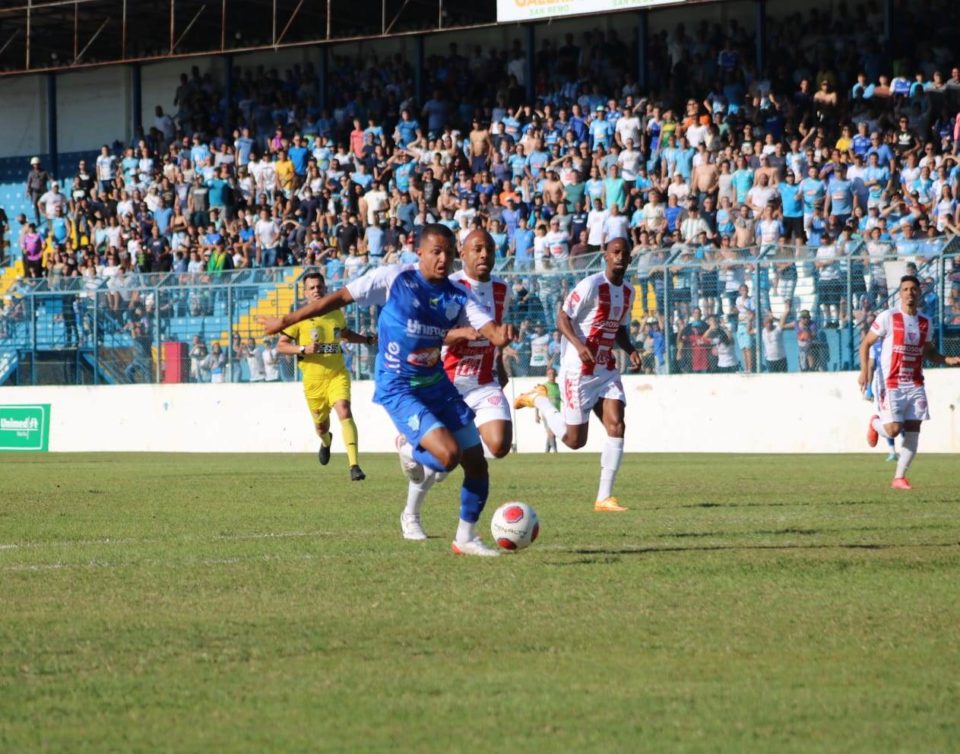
<point>931,354</point>
<point>458,334</point>
<point>330,302</point>
<point>352,336</point>
<point>868,340</point>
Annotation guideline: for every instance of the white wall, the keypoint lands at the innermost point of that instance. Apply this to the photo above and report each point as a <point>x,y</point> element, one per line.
<point>93,108</point>
<point>159,81</point>
<point>23,116</point>
<point>819,413</point>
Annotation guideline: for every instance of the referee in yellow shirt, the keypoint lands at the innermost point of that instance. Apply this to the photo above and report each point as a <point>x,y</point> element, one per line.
<point>326,382</point>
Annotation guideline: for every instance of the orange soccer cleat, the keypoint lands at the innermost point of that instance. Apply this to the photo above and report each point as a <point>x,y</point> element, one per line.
<point>901,483</point>
<point>526,400</point>
<point>872,435</point>
<point>610,504</point>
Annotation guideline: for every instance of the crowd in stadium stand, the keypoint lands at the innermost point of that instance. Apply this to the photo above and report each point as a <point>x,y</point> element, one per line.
<point>836,142</point>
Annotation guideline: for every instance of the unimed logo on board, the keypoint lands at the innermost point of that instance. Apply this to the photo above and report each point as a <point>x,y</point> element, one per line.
<point>25,427</point>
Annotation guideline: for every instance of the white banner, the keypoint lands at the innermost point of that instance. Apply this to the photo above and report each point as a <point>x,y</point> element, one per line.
<point>530,10</point>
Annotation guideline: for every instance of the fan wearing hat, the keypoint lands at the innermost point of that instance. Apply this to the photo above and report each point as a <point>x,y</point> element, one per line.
<point>37,181</point>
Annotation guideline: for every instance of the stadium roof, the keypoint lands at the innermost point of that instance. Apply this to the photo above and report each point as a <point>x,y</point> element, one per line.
<point>44,35</point>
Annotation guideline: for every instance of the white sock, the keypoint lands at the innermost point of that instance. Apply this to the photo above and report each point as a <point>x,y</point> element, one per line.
<point>878,425</point>
<point>908,449</point>
<point>486,452</point>
<point>550,415</point>
<point>417,493</point>
<point>610,458</point>
<point>466,531</point>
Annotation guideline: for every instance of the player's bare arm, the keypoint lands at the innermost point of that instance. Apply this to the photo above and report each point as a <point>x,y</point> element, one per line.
<point>362,338</point>
<point>868,340</point>
<point>460,334</point>
<point>330,302</point>
<point>623,340</point>
<point>566,330</point>
<point>931,354</point>
<point>499,335</point>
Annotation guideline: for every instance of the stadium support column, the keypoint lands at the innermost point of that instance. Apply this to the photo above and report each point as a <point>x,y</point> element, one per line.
<point>227,91</point>
<point>760,7</point>
<point>889,16</point>
<point>643,39</point>
<point>322,71</point>
<point>136,96</point>
<point>529,71</point>
<point>52,147</point>
<point>418,68</point>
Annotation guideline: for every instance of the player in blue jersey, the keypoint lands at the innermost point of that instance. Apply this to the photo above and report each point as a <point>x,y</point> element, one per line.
<point>419,306</point>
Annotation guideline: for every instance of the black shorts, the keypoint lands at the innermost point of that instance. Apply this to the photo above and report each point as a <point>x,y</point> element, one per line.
<point>778,365</point>
<point>793,228</point>
<point>830,291</point>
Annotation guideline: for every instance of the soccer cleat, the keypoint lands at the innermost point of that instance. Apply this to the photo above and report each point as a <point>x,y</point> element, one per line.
<point>410,526</point>
<point>324,454</point>
<point>872,435</point>
<point>900,483</point>
<point>527,399</point>
<point>356,474</point>
<point>610,504</point>
<point>474,546</point>
<point>893,457</point>
<point>411,468</point>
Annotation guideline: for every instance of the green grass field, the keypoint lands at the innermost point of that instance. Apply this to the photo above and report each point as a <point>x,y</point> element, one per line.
<point>262,604</point>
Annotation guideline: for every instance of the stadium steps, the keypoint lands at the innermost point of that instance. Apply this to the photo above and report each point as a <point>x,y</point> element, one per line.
<point>279,299</point>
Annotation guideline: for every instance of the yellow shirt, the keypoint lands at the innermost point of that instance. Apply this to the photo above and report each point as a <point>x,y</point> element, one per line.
<point>284,173</point>
<point>326,331</point>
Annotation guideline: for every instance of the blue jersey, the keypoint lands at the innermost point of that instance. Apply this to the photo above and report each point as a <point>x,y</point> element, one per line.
<point>415,316</point>
<point>814,191</point>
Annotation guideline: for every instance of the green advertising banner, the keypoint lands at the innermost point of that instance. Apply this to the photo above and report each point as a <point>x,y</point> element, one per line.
<point>25,427</point>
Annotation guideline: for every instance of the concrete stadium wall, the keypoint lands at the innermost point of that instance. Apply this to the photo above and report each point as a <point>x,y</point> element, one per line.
<point>818,413</point>
<point>23,116</point>
<point>93,108</point>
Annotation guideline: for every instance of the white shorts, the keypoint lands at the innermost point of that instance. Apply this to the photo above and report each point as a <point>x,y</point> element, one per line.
<point>581,392</point>
<point>489,404</point>
<point>903,404</point>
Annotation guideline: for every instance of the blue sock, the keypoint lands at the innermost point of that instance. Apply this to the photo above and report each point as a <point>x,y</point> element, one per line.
<point>428,459</point>
<point>892,444</point>
<point>473,496</point>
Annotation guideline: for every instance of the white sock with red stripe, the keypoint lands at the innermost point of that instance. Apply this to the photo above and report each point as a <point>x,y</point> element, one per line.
<point>417,493</point>
<point>878,425</point>
<point>550,415</point>
<point>908,449</point>
<point>610,458</point>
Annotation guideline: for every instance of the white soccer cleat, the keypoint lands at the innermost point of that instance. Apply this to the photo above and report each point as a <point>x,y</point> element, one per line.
<point>412,469</point>
<point>411,528</point>
<point>475,547</point>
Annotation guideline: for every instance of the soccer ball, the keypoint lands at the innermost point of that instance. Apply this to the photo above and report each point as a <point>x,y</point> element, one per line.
<point>514,526</point>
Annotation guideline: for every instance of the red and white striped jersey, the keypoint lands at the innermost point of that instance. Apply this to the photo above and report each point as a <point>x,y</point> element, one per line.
<point>904,337</point>
<point>597,309</point>
<point>470,364</point>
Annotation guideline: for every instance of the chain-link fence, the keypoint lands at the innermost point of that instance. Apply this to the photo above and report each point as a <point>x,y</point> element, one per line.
<point>696,310</point>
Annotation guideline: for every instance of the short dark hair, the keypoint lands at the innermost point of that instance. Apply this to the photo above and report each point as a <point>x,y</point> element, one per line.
<point>313,275</point>
<point>910,279</point>
<point>438,230</point>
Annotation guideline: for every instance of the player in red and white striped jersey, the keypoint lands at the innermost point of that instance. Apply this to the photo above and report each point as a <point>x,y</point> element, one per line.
<point>593,322</point>
<point>905,336</point>
<point>475,368</point>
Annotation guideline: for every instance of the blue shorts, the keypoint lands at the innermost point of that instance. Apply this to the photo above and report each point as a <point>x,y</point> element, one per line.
<point>744,339</point>
<point>416,412</point>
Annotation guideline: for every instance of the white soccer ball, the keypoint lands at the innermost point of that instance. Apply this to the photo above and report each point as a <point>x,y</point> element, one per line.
<point>514,526</point>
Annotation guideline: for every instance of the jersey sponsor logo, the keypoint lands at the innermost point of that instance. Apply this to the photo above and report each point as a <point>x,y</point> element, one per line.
<point>424,357</point>
<point>495,399</point>
<point>390,360</point>
<point>419,328</point>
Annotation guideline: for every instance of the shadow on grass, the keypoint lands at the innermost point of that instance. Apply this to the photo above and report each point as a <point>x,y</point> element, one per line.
<point>722,548</point>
